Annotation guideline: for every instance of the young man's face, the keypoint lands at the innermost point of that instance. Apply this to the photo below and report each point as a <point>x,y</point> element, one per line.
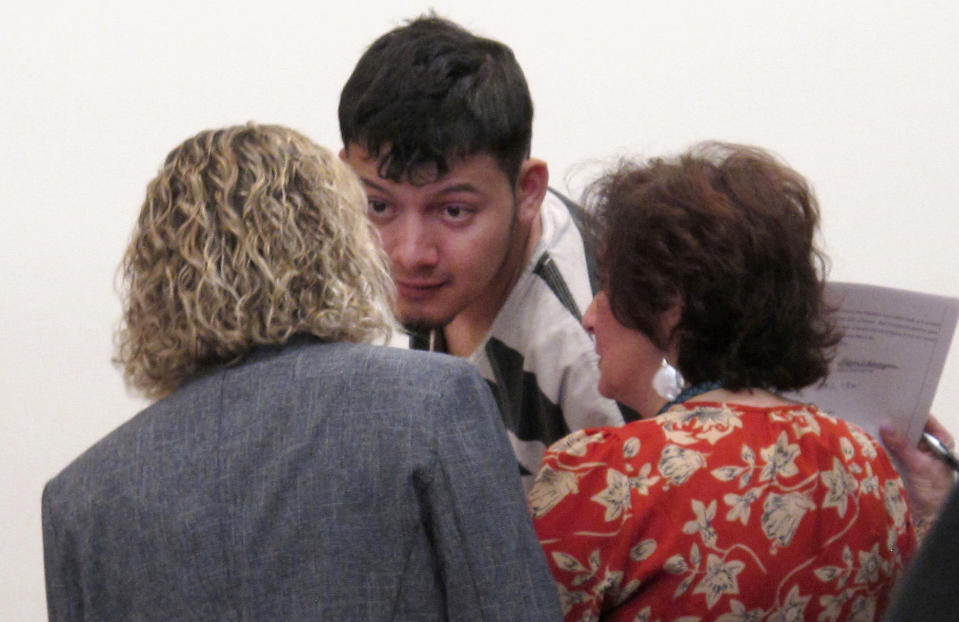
<point>452,242</point>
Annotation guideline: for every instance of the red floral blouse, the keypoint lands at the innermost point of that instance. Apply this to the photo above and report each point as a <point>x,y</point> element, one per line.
<point>723,512</point>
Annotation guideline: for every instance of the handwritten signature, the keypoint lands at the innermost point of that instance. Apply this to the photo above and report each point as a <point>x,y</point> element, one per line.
<point>852,365</point>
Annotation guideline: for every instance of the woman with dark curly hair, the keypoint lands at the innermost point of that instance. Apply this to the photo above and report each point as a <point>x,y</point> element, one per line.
<point>726,501</point>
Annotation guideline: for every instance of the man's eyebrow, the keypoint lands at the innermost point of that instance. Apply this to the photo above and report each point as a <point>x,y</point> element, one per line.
<point>372,184</point>
<point>461,187</point>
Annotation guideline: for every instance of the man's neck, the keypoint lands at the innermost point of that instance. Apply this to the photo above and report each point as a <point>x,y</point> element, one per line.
<point>468,329</point>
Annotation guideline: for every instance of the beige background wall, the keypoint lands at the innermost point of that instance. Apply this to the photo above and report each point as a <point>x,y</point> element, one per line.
<point>860,96</point>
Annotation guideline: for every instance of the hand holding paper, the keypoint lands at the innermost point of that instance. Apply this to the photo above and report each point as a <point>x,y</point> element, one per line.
<point>928,479</point>
<point>889,362</point>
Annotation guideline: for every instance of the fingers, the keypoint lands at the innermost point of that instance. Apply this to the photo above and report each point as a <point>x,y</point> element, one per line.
<point>895,441</point>
<point>935,427</point>
<point>910,457</point>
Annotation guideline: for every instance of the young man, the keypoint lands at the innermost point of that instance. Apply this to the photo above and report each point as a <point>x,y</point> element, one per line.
<point>489,264</point>
<point>288,470</point>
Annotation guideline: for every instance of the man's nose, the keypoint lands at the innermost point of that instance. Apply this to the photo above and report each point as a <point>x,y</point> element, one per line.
<point>414,245</point>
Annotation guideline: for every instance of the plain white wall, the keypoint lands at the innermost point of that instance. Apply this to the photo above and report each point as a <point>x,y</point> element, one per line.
<point>859,97</point>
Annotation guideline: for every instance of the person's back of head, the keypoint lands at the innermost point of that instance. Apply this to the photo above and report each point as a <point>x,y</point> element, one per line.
<point>248,235</point>
<point>726,231</point>
<point>430,92</point>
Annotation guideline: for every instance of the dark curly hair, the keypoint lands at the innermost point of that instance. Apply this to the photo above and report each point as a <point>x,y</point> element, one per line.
<point>430,92</point>
<point>727,232</point>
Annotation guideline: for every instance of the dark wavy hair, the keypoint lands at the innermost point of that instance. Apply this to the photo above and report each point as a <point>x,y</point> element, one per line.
<point>726,231</point>
<point>430,92</point>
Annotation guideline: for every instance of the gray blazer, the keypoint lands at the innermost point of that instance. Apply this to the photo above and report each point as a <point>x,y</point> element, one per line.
<point>311,482</point>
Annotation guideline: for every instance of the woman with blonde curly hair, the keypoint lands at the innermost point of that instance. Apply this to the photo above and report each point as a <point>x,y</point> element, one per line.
<point>248,235</point>
<point>289,470</point>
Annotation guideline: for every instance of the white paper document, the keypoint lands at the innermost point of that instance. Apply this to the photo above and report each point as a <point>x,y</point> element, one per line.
<point>889,362</point>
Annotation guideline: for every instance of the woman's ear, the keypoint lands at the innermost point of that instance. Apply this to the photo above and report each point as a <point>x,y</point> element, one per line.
<point>669,320</point>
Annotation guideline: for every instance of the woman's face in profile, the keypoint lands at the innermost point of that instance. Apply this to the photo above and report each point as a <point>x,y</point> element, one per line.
<point>627,359</point>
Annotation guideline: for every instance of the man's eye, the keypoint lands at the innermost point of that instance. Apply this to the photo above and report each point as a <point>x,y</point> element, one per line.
<point>377,207</point>
<point>456,212</point>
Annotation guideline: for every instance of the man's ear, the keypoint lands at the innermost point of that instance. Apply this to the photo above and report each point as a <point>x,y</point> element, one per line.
<point>343,154</point>
<point>531,184</point>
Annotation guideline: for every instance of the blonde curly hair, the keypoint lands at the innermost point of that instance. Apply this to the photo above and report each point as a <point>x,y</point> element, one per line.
<point>248,235</point>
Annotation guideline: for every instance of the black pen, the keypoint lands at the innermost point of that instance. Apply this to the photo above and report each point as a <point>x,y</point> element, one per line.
<point>941,450</point>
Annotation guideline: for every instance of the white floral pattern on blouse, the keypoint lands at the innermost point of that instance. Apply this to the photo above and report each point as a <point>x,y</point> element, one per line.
<point>722,512</point>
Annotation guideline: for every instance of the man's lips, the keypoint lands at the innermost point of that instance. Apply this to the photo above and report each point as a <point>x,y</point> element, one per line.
<point>416,289</point>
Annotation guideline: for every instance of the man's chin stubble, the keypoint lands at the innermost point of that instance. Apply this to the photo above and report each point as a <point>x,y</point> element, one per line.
<point>422,325</point>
